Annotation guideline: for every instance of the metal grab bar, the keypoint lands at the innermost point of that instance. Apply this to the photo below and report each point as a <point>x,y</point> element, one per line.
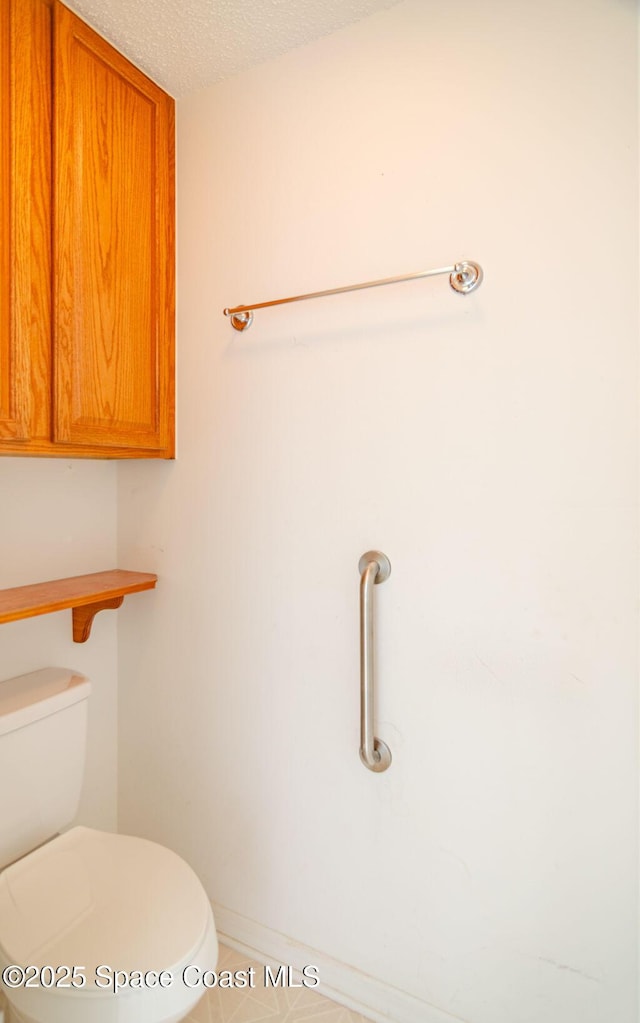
<point>374,567</point>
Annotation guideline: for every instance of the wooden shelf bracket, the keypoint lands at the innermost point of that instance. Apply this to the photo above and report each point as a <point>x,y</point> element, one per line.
<point>82,617</point>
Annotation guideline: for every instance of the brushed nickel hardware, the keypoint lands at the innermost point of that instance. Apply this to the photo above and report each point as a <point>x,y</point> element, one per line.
<point>374,567</point>
<point>464,277</point>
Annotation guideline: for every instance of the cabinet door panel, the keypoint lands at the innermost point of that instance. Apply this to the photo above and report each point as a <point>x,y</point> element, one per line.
<point>25,219</point>
<point>113,247</point>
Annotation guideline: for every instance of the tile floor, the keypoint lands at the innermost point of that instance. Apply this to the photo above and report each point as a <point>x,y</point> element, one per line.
<point>259,1004</point>
<point>266,1004</point>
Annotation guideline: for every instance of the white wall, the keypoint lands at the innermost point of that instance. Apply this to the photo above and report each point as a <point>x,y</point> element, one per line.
<point>487,444</point>
<point>58,518</point>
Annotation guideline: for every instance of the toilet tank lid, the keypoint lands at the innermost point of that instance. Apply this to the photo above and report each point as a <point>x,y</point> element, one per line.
<point>28,698</point>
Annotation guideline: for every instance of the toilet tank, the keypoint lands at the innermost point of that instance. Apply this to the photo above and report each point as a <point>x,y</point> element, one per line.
<point>43,727</point>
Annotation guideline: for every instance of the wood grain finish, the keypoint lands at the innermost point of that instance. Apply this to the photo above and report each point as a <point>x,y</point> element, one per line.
<point>97,379</point>
<point>8,412</point>
<point>113,247</point>
<point>87,593</point>
<point>25,217</point>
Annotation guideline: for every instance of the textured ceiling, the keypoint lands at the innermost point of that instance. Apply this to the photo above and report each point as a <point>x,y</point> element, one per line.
<point>187,44</point>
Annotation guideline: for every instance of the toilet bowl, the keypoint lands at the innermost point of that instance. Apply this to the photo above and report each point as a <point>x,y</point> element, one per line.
<point>95,927</point>
<point>123,911</point>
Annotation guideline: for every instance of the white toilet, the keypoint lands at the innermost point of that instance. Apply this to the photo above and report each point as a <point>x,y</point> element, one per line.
<point>122,911</point>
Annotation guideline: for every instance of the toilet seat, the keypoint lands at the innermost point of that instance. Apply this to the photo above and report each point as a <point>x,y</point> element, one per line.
<point>93,899</point>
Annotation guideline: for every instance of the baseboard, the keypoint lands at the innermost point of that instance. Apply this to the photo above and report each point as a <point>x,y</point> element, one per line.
<point>379,1002</point>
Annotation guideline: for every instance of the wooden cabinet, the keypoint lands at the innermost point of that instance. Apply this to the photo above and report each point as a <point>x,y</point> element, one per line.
<point>86,243</point>
<point>25,224</point>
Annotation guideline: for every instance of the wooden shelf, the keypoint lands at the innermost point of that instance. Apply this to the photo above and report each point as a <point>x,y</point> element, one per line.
<point>84,594</point>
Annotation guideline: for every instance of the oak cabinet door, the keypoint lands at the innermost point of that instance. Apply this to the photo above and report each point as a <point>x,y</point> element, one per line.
<point>25,219</point>
<point>113,248</point>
